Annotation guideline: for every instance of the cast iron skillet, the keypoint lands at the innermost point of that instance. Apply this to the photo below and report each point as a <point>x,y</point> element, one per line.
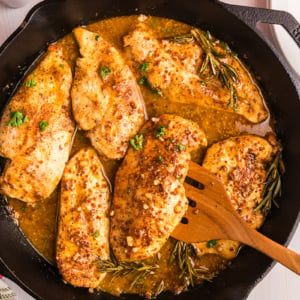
<point>50,20</point>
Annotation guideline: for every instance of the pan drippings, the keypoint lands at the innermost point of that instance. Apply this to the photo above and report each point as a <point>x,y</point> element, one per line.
<point>38,221</point>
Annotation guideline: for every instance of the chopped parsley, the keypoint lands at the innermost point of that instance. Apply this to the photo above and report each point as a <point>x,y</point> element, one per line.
<point>181,147</point>
<point>24,207</point>
<point>160,158</point>
<point>160,131</point>
<point>128,191</point>
<point>211,243</point>
<point>157,92</point>
<point>137,142</point>
<point>104,72</point>
<point>31,82</point>
<point>144,67</point>
<point>62,66</point>
<point>17,119</point>
<point>97,37</point>
<point>43,125</point>
<point>145,81</point>
<point>96,234</point>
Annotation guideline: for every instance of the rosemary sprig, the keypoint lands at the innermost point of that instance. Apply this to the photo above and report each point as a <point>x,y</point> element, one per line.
<point>140,269</point>
<point>181,39</point>
<point>212,64</point>
<point>159,289</point>
<point>186,259</point>
<point>226,74</point>
<point>272,185</point>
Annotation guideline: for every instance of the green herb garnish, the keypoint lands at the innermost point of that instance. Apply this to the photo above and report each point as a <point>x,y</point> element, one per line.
<point>181,39</point>
<point>272,185</point>
<point>31,82</point>
<point>62,66</point>
<point>17,119</point>
<point>225,47</point>
<point>140,269</point>
<point>226,74</point>
<point>137,142</point>
<point>97,37</point>
<point>160,159</point>
<point>43,125</point>
<point>145,81</point>
<point>96,234</point>
<point>24,207</point>
<point>159,288</point>
<point>160,131</point>
<point>128,191</point>
<point>212,65</point>
<point>211,243</point>
<point>181,147</point>
<point>104,72</point>
<point>144,67</point>
<point>186,257</point>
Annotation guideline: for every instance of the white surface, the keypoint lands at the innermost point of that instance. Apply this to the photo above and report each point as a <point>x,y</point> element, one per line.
<point>282,39</point>
<point>15,3</point>
<point>280,283</point>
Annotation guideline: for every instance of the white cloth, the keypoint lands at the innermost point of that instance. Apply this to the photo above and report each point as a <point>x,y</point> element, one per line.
<point>5,291</point>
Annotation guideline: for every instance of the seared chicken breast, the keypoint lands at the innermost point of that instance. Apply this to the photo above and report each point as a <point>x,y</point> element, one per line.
<point>240,163</point>
<point>106,98</point>
<point>172,71</point>
<point>83,225</point>
<point>149,197</point>
<point>36,130</point>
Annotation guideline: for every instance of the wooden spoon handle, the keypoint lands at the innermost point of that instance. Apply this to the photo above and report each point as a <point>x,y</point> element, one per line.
<point>283,255</point>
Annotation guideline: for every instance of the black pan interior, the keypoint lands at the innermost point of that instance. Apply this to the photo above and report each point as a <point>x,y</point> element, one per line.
<point>51,20</point>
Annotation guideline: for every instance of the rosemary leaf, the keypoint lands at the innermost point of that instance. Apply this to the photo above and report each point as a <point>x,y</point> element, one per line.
<point>180,39</point>
<point>138,269</point>
<point>272,185</point>
<point>186,258</point>
<point>159,289</point>
<point>212,65</point>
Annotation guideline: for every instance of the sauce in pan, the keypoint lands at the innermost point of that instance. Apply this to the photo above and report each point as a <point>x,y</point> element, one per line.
<point>38,221</point>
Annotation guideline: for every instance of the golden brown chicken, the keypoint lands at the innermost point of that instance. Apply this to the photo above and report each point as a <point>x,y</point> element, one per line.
<point>106,98</point>
<point>149,198</point>
<point>83,226</point>
<point>36,130</point>
<point>240,163</point>
<point>171,72</point>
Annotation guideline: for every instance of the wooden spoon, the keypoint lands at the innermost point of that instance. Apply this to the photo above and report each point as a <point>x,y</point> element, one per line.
<point>213,217</point>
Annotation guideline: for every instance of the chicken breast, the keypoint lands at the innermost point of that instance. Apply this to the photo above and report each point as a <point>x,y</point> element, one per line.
<point>83,226</point>
<point>106,98</point>
<point>240,163</point>
<point>36,130</point>
<point>149,197</point>
<point>172,72</point>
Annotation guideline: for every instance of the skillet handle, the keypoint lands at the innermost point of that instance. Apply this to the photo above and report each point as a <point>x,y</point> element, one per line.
<point>252,15</point>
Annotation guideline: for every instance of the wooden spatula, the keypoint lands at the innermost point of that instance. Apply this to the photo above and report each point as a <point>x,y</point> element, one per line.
<point>213,217</point>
